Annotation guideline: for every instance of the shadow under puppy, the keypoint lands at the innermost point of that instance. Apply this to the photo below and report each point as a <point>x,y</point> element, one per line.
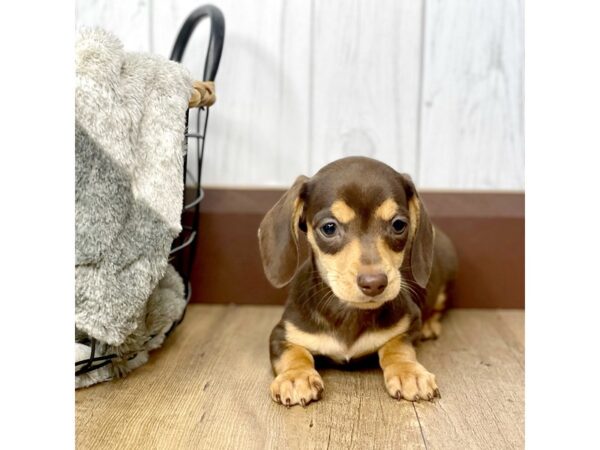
<point>375,279</point>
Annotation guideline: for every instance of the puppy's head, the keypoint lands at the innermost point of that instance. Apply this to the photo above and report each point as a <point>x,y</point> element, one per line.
<point>364,222</point>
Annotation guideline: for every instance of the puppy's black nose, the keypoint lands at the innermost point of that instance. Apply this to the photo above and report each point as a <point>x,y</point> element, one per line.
<point>372,284</point>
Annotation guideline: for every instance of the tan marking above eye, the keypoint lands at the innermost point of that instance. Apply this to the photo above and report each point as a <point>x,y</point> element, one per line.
<point>387,210</point>
<point>342,212</point>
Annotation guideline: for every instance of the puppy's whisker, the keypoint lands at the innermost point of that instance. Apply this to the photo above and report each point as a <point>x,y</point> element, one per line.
<point>314,294</point>
<point>413,286</point>
<point>308,284</point>
<point>320,291</point>
<point>405,285</point>
<point>310,281</point>
<point>327,302</point>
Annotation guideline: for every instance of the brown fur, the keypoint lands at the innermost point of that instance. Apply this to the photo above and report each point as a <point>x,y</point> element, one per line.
<point>328,313</point>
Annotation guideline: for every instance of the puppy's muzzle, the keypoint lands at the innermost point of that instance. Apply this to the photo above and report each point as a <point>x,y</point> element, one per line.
<point>372,284</point>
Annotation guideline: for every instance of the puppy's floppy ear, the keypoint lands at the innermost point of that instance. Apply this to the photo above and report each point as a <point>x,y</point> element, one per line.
<point>278,235</point>
<point>421,249</point>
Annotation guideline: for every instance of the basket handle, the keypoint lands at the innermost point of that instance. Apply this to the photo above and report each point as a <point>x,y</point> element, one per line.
<point>215,43</point>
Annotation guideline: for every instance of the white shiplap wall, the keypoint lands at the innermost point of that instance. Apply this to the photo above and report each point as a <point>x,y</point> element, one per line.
<point>431,87</point>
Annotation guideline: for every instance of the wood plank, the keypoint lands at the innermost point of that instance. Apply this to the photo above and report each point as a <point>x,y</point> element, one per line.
<point>103,409</point>
<point>365,81</point>
<point>258,130</point>
<point>472,107</point>
<point>129,21</point>
<point>513,329</point>
<point>209,386</point>
<point>479,368</point>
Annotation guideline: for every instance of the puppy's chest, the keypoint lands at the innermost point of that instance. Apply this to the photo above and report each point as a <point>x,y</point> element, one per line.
<point>332,346</point>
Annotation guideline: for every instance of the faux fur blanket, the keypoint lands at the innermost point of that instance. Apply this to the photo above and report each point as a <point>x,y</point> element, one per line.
<point>129,131</point>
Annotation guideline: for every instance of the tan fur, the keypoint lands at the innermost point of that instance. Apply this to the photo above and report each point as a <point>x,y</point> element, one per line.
<point>294,357</point>
<point>404,376</point>
<point>432,327</point>
<point>325,344</point>
<point>341,269</point>
<point>297,382</point>
<point>387,210</point>
<point>440,301</point>
<point>342,212</point>
<point>391,262</point>
<point>298,205</point>
<point>414,209</point>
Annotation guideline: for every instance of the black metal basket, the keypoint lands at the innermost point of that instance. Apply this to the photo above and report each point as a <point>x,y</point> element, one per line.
<point>184,247</point>
<point>183,250</point>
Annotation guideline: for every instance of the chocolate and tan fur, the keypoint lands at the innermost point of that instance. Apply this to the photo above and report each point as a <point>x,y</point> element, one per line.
<point>374,282</point>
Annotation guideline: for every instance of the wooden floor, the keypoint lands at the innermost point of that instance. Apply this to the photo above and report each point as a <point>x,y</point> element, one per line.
<point>208,388</point>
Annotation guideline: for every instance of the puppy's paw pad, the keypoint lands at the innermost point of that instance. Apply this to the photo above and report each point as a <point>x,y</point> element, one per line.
<point>297,387</point>
<point>410,381</point>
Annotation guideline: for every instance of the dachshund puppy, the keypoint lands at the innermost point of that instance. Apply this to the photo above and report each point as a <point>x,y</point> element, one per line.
<point>375,279</point>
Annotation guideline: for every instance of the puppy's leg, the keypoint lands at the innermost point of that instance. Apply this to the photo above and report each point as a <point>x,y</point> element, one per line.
<point>403,375</point>
<point>432,327</point>
<point>296,382</point>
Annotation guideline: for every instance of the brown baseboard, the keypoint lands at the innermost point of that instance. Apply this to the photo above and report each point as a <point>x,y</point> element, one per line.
<point>488,230</point>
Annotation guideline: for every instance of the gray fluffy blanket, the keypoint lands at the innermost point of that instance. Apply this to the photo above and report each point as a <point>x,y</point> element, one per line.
<point>130,119</point>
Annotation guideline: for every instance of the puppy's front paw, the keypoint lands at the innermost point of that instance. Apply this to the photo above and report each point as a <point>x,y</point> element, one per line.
<point>411,381</point>
<point>297,387</point>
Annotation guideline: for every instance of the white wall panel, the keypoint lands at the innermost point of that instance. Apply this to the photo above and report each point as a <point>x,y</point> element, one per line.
<point>433,88</point>
<point>258,131</point>
<point>472,110</point>
<point>365,81</point>
<point>127,19</point>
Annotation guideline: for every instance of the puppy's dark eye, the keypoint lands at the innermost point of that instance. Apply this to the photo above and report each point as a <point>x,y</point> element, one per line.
<point>398,225</point>
<point>329,229</point>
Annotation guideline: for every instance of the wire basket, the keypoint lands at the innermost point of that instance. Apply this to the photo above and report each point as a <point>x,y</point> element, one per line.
<point>183,249</point>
